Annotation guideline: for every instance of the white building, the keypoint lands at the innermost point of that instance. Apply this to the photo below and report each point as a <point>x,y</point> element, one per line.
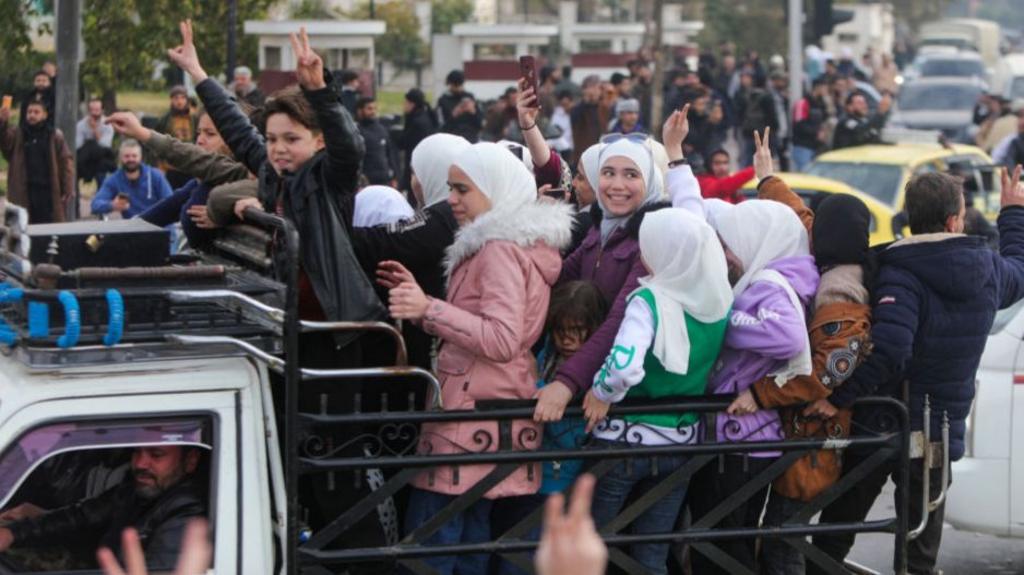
<point>342,44</point>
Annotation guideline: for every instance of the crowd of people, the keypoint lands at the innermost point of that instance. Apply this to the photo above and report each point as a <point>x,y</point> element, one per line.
<point>551,247</point>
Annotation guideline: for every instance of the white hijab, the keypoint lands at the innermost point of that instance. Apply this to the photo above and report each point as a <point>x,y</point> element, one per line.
<point>715,208</point>
<point>430,161</point>
<point>654,184</point>
<point>590,162</point>
<point>689,276</point>
<point>499,175</point>
<point>376,205</point>
<point>760,232</point>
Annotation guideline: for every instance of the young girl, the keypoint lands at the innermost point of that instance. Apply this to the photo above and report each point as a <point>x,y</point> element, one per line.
<point>577,309</point>
<point>666,346</point>
<point>500,271</point>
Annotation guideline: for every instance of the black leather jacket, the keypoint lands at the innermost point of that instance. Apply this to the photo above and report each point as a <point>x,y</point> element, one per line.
<point>318,198</point>
<point>160,523</point>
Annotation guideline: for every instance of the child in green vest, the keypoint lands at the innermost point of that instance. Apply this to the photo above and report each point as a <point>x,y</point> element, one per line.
<point>666,346</point>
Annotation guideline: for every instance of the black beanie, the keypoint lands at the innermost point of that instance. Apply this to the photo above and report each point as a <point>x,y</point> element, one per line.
<point>842,224</point>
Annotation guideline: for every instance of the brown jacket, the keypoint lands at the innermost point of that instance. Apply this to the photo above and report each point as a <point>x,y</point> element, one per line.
<point>62,169</point>
<point>839,334</point>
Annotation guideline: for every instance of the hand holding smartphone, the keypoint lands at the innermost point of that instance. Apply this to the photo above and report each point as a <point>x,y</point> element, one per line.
<point>528,70</point>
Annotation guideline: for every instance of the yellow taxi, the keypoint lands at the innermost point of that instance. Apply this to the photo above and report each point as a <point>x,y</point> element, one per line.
<point>807,187</point>
<point>882,171</point>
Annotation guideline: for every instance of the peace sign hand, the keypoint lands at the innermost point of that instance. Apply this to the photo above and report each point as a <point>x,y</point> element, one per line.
<point>308,65</point>
<point>674,132</point>
<point>185,56</point>
<point>1013,193</point>
<point>763,165</point>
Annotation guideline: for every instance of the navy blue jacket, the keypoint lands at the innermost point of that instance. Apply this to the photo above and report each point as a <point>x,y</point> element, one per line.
<point>935,298</point>
<point>175,209</point>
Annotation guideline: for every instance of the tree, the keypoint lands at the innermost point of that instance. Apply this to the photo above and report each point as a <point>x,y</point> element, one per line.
<point>401,44</point>
<point>126,39</point>
<point>19,60</point>
<point>446,13</point>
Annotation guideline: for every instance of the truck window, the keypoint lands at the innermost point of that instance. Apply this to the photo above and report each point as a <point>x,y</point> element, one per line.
<point>71,487</point>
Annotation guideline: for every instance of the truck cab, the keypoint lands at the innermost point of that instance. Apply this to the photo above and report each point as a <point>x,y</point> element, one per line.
<point>94,366</point>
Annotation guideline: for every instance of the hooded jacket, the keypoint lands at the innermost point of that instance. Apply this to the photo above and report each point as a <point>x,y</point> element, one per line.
<point>934,301</point>
<point>500,278</point>
<point>318,198</point>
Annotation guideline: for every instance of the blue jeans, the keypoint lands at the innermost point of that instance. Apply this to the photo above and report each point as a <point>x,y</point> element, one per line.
<point>777,556</point>
<point>471,526</point>
<point>639,476</point>
<point>802,157</point>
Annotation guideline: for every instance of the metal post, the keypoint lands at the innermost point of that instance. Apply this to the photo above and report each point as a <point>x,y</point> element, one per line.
<point>796,63</point>
<point>69,28</point>
<point>232,58</point>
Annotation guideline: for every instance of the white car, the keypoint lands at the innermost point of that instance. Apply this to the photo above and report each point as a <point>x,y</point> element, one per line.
<point>987,493</point>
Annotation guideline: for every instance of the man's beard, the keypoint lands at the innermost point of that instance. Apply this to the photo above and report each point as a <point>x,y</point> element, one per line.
<point>152,491</point>
<point>132,168</point>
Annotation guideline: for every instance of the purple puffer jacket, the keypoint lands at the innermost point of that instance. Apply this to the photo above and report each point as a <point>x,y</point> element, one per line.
<point>615,270</point>
<point>764,333</point>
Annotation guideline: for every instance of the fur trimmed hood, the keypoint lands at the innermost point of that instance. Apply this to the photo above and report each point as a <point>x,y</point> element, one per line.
<point>527,225</point>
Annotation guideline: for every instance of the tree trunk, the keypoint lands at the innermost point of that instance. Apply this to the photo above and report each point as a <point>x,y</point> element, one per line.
<point>658,79</point>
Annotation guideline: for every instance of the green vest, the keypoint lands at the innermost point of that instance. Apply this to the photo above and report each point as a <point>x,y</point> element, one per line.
<point>705,345</point>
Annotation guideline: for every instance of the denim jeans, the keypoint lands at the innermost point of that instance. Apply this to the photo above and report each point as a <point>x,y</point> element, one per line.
<point>777,556</point>
<point>640,476</point>
<point>802,157</point>
<point>471,526</point>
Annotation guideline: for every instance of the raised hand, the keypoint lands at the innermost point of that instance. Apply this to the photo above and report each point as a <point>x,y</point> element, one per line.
<point>309,67</point>
<point>763,164</point>
<point>185,55</point>
<point>525,105</point>
<point>674,133</point>
<point>128,124</point>
<point>1012,194</point>
<point>570,544</point>
<point>196,553</point>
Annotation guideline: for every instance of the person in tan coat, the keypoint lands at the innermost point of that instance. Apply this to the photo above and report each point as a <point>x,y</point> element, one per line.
<point>839,334</point>
<point>500,271</point>
<point>40,168</point>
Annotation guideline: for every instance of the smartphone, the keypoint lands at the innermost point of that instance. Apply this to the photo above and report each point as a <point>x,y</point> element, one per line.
<point>556,194</point>
<point>528,70</point>
<point>8,102</point>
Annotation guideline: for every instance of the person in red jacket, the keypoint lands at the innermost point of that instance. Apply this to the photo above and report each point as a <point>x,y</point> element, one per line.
<point>717,183</point>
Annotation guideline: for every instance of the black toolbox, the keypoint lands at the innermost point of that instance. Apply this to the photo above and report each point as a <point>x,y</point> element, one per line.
<point>94,243</point>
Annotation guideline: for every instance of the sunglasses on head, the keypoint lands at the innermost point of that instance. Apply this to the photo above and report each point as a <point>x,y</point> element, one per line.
<point>636,138</point>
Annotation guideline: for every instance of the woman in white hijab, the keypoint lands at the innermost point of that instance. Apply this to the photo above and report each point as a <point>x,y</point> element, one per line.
<point>629,184</point>
<point>378,205</point>
<point>500,272</point>
<point>774,279</point>
<point>430,162</point>
<point>667,345</point>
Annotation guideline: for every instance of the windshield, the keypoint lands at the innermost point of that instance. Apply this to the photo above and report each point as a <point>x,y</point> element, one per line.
<point>938,97</point>
<point>1003,317</point>
<point>952,68</point>
<point>880,181</point>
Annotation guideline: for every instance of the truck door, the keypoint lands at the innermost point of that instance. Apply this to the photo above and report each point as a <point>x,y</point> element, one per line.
<point>55,453</point>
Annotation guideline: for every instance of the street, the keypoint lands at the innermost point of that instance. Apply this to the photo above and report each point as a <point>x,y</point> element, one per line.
<point>962,552</point>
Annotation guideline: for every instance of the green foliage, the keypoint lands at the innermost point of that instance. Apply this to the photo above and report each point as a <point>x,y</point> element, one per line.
<point>446,13</point>
<point>18,61</point>
<point>125,39</point>
<point>744,23</point>
<point>313,10</point>
<point>401,44</point>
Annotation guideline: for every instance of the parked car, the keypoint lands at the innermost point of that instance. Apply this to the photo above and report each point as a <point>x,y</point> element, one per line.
<point>941,103</point>
<point>808,187</point>
<point>987,493</point>
<point>964,64</point>
<point>882,171</point>
<point>1008,79</point>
